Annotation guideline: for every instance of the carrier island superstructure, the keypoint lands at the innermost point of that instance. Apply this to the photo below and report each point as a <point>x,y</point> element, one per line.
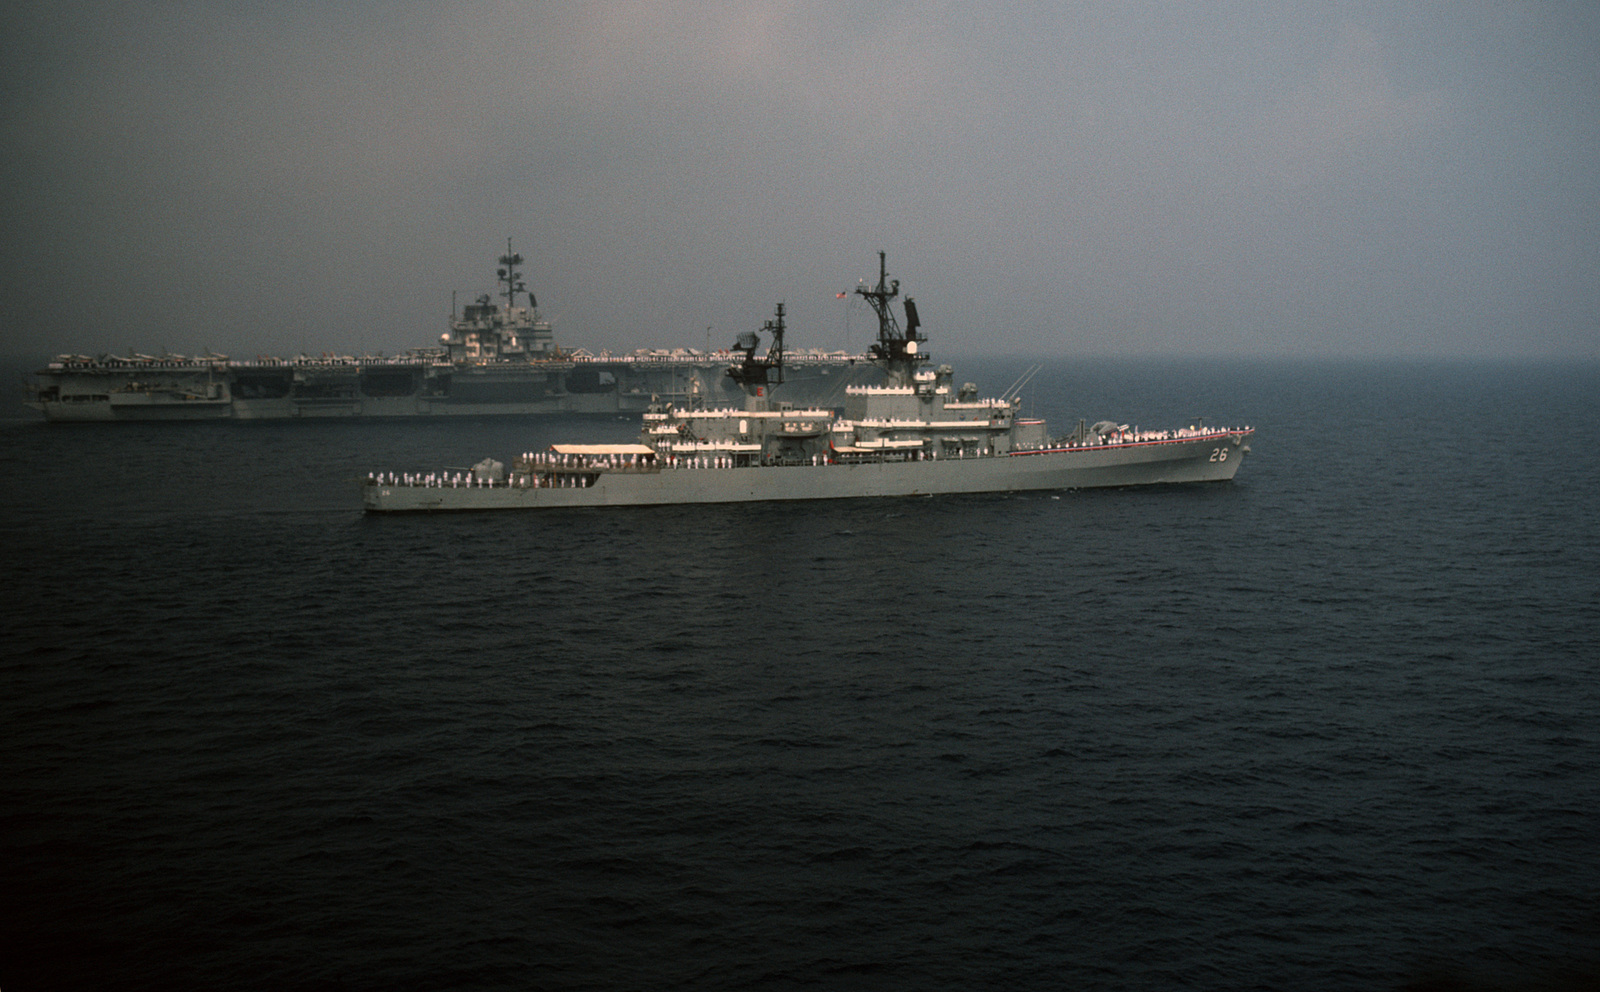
<point>499,356</point>
<point>913,433</point>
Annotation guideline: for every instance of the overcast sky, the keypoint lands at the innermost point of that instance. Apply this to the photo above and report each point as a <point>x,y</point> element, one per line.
<point>1314,178</point>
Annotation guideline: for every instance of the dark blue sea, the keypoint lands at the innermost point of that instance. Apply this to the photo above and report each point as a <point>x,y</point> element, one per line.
<point>1334,725</point>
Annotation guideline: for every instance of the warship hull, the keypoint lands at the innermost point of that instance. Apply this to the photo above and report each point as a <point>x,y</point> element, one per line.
<point>915,433</point>
<point>102,394</point>
<point>1212,456</point>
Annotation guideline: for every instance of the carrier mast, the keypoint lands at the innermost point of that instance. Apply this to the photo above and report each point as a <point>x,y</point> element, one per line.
<point>513,279</point>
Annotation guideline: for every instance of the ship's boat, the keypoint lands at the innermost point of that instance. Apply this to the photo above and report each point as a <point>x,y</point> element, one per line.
<point>913,433</point>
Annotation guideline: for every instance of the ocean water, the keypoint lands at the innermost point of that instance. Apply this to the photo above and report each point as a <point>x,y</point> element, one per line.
<point>1333,725</point>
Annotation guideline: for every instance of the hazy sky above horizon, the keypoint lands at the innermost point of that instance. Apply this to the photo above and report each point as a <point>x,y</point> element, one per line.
<point>1314,178</point>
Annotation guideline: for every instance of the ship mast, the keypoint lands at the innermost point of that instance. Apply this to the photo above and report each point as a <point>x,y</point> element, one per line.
<point>752,373</point>
<point>775,353</point>
<point>895,350</point>
<point>513,279</point>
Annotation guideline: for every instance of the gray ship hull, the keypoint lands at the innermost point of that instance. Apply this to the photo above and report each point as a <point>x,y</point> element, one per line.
<point>316,391</point>
<point>1212,456</point>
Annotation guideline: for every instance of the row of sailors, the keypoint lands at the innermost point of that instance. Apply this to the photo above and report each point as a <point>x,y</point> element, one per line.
<point>1183,433</point>
<point>455,480</point>
<point>470,480</point>
<point>554,459</point>
<point>1186,432</point>
<point>629,463</point>
<point>1133,437</point>
<point>1136,435</point>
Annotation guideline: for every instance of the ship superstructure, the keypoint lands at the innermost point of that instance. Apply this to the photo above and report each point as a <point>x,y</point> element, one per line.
<point>499,356</point>
<point>915,433</point>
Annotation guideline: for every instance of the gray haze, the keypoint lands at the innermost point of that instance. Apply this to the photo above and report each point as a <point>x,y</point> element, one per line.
<point>1164,178</point>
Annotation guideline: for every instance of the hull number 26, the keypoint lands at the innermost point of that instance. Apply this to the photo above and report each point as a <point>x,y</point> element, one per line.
<point>1219,454</point>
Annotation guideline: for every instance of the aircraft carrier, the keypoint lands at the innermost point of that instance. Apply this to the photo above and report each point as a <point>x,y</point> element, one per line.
<point>497,358</point>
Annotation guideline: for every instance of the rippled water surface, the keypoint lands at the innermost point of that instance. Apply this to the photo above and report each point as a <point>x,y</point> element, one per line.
<point>1333,725</point>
